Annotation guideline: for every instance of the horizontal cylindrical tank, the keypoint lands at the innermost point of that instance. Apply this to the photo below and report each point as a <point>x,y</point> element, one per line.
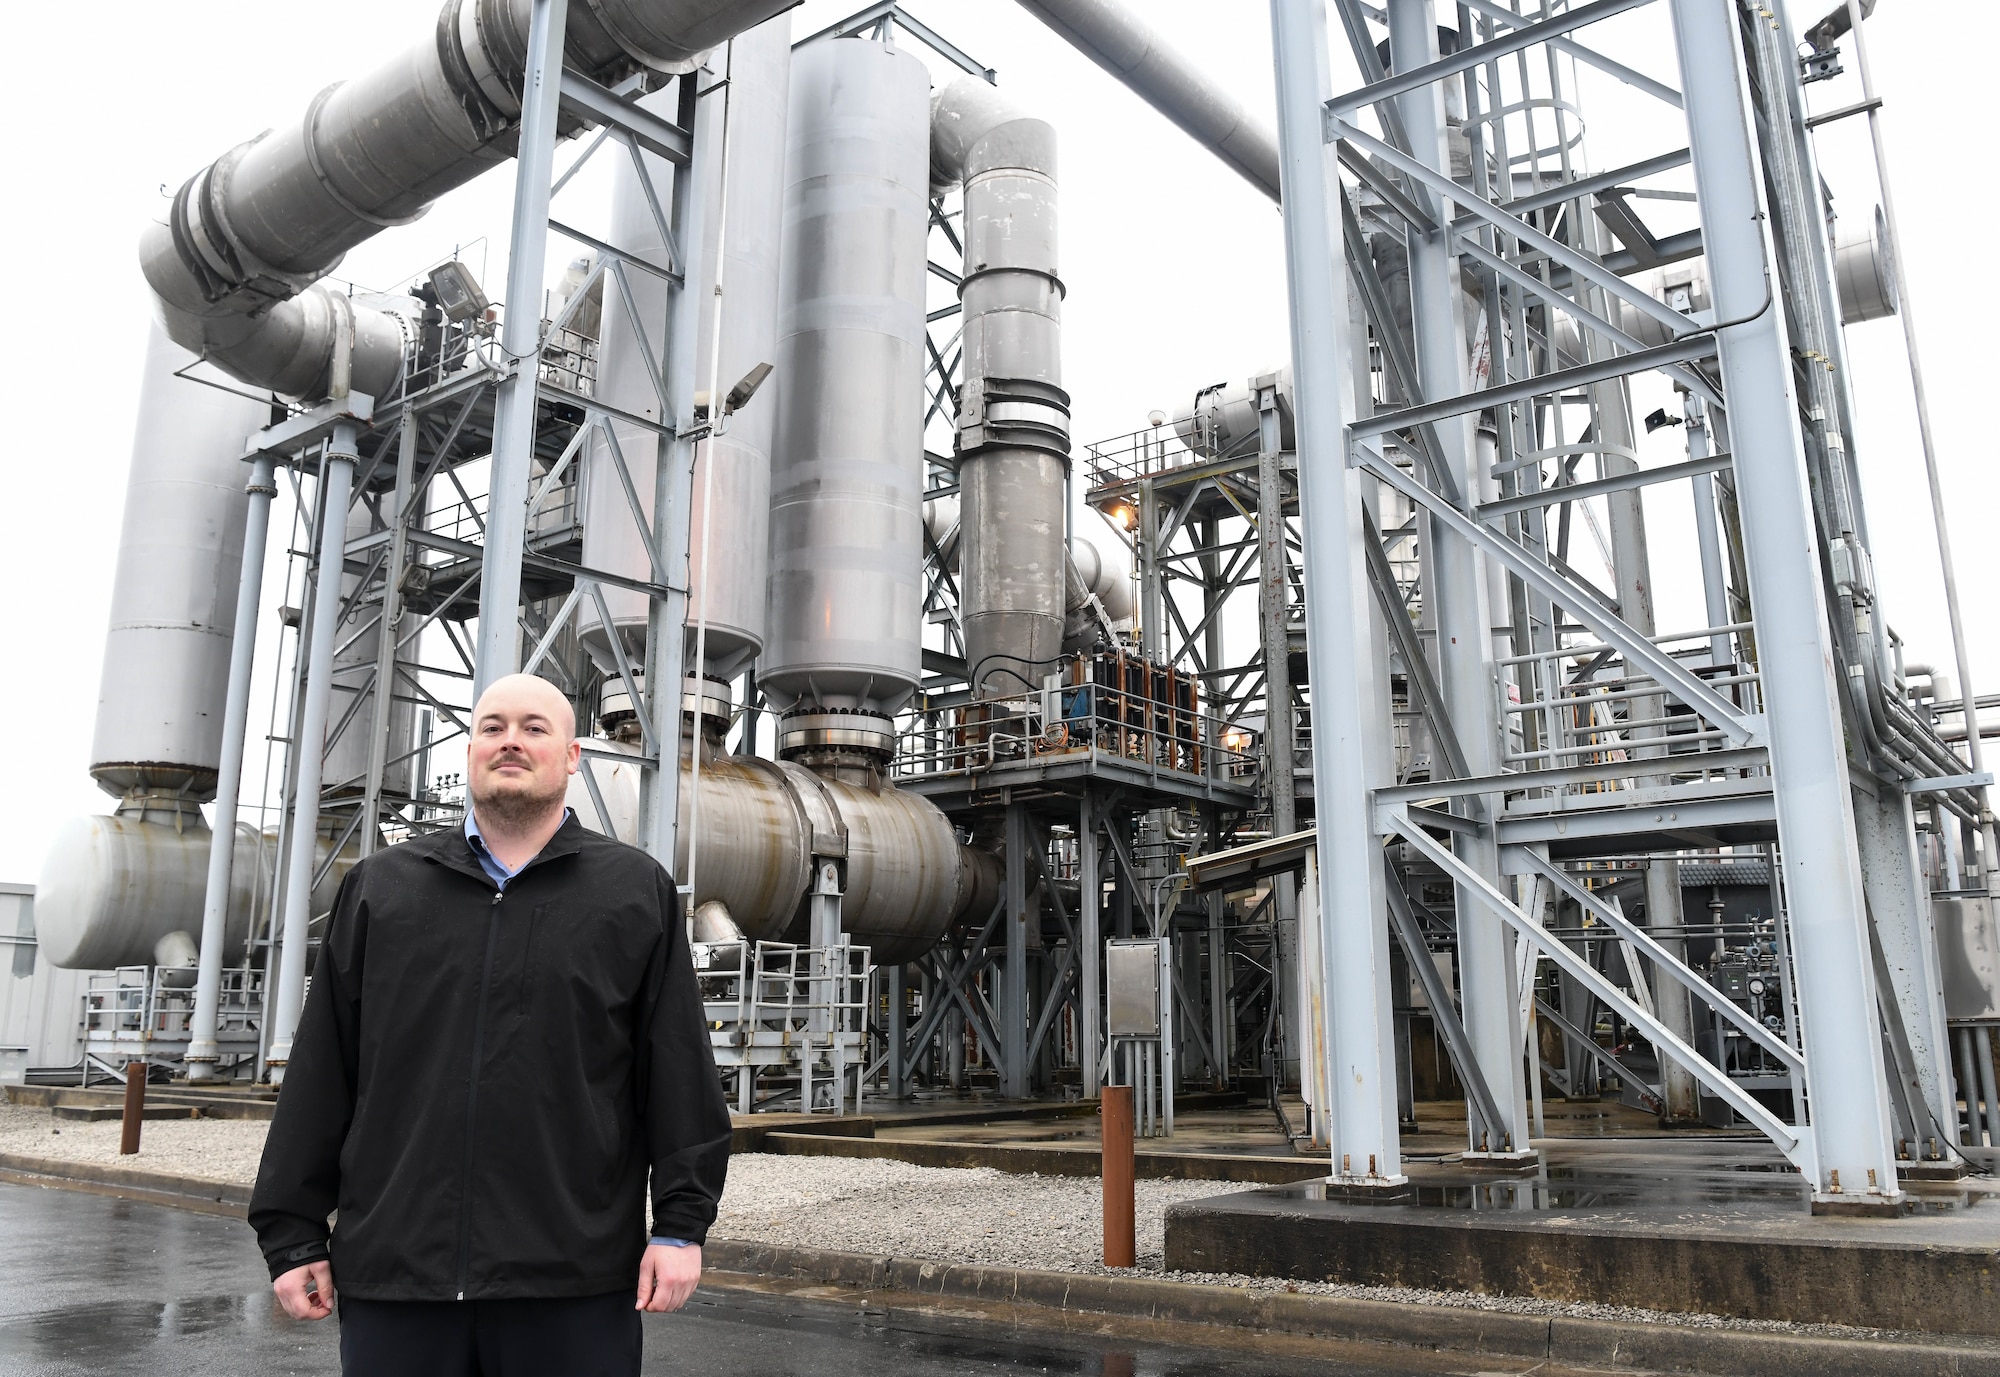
<point>846,542</point>
<point>732,505</point>
<point>112,886</point>
<point>1224,421</point>
<point>908,876</point>
<point>173,599</point>
<point>1013,418</point>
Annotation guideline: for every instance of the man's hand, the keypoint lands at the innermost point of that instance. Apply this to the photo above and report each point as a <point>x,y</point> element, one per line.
<point>667,1276</point>
<point>307,1292</point>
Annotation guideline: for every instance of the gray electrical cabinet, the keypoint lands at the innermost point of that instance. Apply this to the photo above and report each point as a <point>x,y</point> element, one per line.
<point>1132,988</point>
<point>1969,952</point>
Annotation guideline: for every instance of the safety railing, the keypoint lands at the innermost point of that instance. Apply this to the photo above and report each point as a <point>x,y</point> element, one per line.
<point>1072,720</point>
<point>155,1004</point>
<point>1582,705</point>
<point>1124,459</point>
<point>779,1005</point>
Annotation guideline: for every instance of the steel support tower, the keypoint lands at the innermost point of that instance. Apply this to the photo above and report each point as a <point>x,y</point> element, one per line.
<point>1574,752</point>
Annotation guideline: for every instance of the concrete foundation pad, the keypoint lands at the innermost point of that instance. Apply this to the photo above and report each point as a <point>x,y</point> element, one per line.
<point>1736,1239</point>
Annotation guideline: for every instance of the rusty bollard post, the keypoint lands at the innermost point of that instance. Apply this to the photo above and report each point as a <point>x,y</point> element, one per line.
<point>1119,1241</point>
<point>135,1107</point>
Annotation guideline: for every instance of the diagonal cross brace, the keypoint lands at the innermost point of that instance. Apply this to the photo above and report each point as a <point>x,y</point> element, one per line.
<point>1605,913</point>
<point>1583,605</point>
<point>1577,262</point>
<point>1796,1146</point>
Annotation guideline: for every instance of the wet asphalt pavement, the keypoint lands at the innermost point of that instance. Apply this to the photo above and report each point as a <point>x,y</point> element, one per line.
<point>90,1284</point>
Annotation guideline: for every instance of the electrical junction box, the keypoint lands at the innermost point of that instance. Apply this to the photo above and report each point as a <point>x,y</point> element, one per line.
<point>1969,951</point>
<point>1132,988</point>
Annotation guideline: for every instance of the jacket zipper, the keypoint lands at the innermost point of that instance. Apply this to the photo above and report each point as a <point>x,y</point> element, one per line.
<point>472,1101</point>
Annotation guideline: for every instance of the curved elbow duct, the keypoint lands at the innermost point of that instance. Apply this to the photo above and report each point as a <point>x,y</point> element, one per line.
<point>234,262</point>
<point>1122,45</point>
<point>1013,421</point>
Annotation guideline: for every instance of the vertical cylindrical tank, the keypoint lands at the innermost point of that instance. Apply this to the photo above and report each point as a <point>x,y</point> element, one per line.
<point>730,590</point>
<point>1013,421</point>
<point>173,599</point>
<point>846,597</point>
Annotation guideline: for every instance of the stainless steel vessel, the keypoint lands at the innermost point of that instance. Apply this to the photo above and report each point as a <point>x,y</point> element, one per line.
<point>908,877</point>
<point>846,598</point>
<point>727,585</point>
<point>1013,421</point>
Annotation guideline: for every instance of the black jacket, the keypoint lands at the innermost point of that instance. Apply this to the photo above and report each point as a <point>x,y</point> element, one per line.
<point>481,1081</point>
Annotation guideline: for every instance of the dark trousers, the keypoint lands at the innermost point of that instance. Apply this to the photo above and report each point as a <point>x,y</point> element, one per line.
<point>589,1336</point>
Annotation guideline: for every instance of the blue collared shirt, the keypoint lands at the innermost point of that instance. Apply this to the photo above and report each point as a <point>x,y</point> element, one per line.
<point>488,862</point>
<point>499,873</point>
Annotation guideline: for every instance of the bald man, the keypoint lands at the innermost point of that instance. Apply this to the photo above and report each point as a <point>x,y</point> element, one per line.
<point>503,1041</point>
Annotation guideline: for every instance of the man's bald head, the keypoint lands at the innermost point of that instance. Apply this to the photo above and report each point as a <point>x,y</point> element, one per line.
<point>522,752</point>
<point>514,694</point>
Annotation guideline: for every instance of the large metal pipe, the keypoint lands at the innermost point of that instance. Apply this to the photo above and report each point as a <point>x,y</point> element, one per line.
<point>1120,43</point>
<point>846,542</point>
<point>234,262</point>
<point>166,654</point>
<point>908,876</point>
<point>1013,421</point>
<point>727,584</point>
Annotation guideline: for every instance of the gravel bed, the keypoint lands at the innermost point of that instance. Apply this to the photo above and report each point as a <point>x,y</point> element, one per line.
<point>940,1214</point>
<point>212,1149</point>
<point>866,1205</point>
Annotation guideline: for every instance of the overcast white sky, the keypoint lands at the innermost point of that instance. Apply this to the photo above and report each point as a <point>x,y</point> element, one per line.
<point>1174,269</point>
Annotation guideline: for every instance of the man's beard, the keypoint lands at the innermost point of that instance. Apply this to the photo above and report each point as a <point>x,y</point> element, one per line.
<point>518,807</point>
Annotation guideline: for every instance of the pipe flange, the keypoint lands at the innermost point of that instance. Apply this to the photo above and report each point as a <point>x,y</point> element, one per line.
<point>705,698</point>
<point>837,729</point>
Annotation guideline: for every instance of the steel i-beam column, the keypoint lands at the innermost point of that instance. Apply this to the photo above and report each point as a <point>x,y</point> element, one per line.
<point>1012,1053</point>
<point>1464,637</point>
<point>521,344</point>
<point>673,481</point>
<point>1348,701</point>
<point>1280,745</point>
<point>203,1053</point>
<point>385,642</point>
<point>1854,1153</point>
<point>309,744</point>
<point>1090,894</point>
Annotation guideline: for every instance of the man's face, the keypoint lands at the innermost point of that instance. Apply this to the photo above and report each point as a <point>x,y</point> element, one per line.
<point>523,749</point>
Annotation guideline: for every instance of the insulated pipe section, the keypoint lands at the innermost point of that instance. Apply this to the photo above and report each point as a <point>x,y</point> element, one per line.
<point>1122,45</point>
<point>234,263</point>
<point>729,585</point>
<point>113,886</point>
<point>1013,420</point>
<point>846,543</point>
<point>908,876</point>
<point>173,599</point>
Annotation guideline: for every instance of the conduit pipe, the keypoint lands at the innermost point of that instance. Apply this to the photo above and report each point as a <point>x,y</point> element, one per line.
<point>235,261</point>
<point>1013,421</point>
<point>1120,43</point>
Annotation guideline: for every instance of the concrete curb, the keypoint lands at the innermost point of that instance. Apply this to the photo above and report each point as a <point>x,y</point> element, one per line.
<point>1044,1159</point>
<point>1607,1345</point>
<point>133,1183</point>
<point>1602,1344</point>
